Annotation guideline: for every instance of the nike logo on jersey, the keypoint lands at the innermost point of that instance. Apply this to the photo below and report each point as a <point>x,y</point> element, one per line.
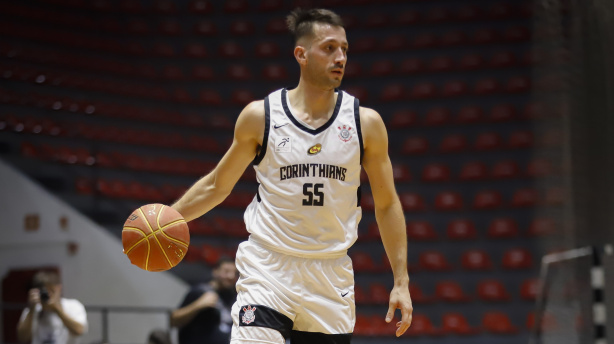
<point>277,126</point>
<point>343,294</point>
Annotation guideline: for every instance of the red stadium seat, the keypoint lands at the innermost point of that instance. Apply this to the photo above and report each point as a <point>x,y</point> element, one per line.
<point>503,59</point>
<point>434,261</point>
<point>266,49</point>
<point>379,293</point>
<point>438,15</point>
<point>421,325</point>
<point>271,5</point>
<point>461,229</point>
<point>502,228</point>
<point>362,261</point>
<point>360,295</point>
<point>138,26</point>
<point>471,62</point>
<point>164,6</point>
<point>196,50</point>
<point>517,258</point>
<point>366,202</point>
<point>392,92</point>
<point>276,26</point>
<point>476,260</point>
<point>498,323</point>
<point>242,97</point>
<point>407,18</point>
<point>451,291</point>
<point>359,92</point>
<point>242,27</point>
<point>455,323</point>
<point>541,226</point>
<point>453,143</point>
<point>492,290</point>
<point>469,13</point>
<point>454,88</point>
<point>529,289</point>
<point>411,65</point>
<point>453,38</point>
<point>394,43</point>
<point>487,86</point>
<point>436,173</point>
<point>415,145</point>
<point>205,28</point>
<point>130,6</point>
<point>164,49</point>
<point>421,231</point>
<point>437,116</point>
<point>230,49</point>
<point>502,113</point>
<point>488,141</point>
<point>364,44</point>
<point>210,97</point>
<point>353,69</point>
<point>236,6</point>
<point>487,199</point>
<point>525,197</point>
<point>417,295</point>
<point>402,119</point>
<point>377,20</point>
<point>539,168</point>
<point>201,6</point>
<point>516,34</point>
<point>520,139</point>
<point>423,90</point>
<point>441,64</point>
<point>412,202</point>
<point>382,68</point>
<point>448,201</point>
<point>518,84</point>
<point>470,114</point>
<point>500,11</point>
<point>203,72</point>
<point>424,40</point>
<point>240,72</point>
<point>400,172</point>
<point>274,72</point>
<point>484,36</point>
<point>505,169</point>
<point>363,325</point>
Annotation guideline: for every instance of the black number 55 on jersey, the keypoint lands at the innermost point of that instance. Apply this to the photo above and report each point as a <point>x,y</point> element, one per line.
<point>315,197</point>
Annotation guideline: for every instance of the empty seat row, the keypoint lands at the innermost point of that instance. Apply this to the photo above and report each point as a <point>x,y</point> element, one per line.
<point>485,141</point>
<point>431,260</point>
<point>452,323</point>
<point>469,114</point>
<point>488,290</point>
<point>450,201</point>
<point>465,229</point>
<point>475,170</point>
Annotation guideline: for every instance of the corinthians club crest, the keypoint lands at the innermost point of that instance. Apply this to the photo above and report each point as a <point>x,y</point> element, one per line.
<point>345,133</point>
<point>248,315</point>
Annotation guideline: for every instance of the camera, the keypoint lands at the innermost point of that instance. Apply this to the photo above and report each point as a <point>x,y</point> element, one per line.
<point>44,295</point>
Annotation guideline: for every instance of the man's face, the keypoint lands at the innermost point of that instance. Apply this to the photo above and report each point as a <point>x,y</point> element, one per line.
<point>226,275</point>
<point>326,56</point>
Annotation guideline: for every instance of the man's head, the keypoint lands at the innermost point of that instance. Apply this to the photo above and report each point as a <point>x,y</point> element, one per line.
<point>225,273</point>
<point>320,46</point>
<point>49,283</point>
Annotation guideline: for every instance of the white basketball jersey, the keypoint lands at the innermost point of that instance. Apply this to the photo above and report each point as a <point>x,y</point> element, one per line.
<point>309,193</point>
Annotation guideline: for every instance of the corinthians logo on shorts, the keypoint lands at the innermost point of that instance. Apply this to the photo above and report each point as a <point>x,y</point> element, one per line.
<point>315,149</point>
<point>345,133</point>
<point>248,315</point>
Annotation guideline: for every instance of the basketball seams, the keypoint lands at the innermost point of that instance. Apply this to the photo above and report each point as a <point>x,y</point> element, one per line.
<point>156,237</point>
<point>175,240</point>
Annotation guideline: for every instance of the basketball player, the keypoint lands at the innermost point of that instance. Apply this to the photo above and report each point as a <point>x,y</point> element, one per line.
<point>307,146</point>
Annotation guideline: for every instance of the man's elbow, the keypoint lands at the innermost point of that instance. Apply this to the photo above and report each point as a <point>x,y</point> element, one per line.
<point>78,330</point>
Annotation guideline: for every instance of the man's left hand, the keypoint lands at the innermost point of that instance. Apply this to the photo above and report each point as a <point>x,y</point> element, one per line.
<point>400,299</point>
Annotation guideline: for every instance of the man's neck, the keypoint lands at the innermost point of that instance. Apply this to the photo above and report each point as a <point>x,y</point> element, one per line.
<point>312,102</point>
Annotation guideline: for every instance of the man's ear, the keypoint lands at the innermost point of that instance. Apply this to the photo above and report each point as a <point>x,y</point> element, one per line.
<point>300,54</point>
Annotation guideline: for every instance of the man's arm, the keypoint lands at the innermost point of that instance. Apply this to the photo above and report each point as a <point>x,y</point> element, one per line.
<point>388,213</point>
<point>182,316</point>
<point>24,327</point>
<point>213,188</point>
<point>75,327</point>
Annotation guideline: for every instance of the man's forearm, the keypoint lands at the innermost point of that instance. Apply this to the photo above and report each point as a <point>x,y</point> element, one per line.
<point>72,325</point>
<point>200,198</point>
<point>391,223</point>
<point>24,328</point>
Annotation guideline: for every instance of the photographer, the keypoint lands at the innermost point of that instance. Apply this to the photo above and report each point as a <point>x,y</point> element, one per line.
<point>50,318</point>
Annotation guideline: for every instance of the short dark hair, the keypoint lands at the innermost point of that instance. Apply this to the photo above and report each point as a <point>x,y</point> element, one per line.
<point>43,278</point>
<point>300,22</point>
<point>223,260</point>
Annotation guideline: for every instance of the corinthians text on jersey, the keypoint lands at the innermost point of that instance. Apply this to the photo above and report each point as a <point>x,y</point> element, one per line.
<point>312,170</point>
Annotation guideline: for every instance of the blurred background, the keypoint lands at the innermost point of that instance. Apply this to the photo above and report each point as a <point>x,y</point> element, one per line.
<point>499,116</point>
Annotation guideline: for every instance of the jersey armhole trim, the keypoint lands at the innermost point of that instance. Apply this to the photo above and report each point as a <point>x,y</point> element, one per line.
<point>358,127</point>
<point>265,139</point>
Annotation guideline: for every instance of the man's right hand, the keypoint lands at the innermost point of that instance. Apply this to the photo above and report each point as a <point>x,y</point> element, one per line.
<point>34,297</point>
<point>208,299</point>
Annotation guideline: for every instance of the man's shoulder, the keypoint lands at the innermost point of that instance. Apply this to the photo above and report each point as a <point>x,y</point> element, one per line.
<point>71,302</point>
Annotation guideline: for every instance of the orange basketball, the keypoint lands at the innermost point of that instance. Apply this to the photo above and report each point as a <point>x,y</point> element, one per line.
<point>155,237</point>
